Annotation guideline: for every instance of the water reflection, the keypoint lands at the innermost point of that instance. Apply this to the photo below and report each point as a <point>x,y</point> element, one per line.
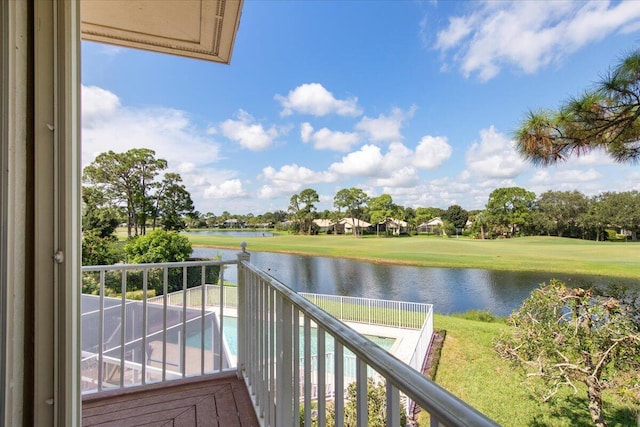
<point>450,290</point>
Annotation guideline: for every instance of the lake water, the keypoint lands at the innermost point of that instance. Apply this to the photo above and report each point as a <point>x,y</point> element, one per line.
<point>234,233</point>
<point>450,290</point>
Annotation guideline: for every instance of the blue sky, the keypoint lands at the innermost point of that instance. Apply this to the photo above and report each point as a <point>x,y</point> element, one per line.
<point>415,99</point>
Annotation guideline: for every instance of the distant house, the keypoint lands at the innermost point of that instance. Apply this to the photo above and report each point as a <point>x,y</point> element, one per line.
<point>350,224</point>
<point>430,226</point>
<point>395,226</point>
<point>324,225</point>
<point>233,223</point>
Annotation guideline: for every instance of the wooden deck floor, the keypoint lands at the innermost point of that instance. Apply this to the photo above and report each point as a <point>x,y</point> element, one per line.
<point>217,401</point>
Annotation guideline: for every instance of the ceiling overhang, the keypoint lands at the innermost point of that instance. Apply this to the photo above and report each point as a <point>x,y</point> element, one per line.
<point>203,29</point>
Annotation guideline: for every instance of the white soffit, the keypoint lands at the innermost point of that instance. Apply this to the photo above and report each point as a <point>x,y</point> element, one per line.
<point>203,29</point>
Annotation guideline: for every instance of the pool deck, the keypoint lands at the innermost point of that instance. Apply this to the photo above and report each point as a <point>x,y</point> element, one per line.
<point>405,339</point>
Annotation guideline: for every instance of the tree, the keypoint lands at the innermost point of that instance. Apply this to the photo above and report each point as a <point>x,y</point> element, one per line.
<point>172,203</point>
<point>98,250</point>
<point>426,214</point>
<point>605,117</point>
<point>457,216</point>
<point>560,210</point>
<point>409,215</point>
<point>480,222</point>
<point>353,201</point>
<point>128,179</point>
<point>303,209</point>
<point>594,219</point>
<point>382,208</point>
<point>565,336</point>
<point>98,215</point>
<point>508,208</point>
<point>622,211</point>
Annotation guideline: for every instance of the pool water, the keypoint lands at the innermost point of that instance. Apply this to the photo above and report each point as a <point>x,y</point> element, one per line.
<point>230,326</point>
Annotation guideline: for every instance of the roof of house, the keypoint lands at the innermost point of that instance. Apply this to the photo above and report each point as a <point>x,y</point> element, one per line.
<point>354,221</point>
<point>433,221</point>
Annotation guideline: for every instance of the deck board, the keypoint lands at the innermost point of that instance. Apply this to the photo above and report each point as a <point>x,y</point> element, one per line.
<point>220,401</point>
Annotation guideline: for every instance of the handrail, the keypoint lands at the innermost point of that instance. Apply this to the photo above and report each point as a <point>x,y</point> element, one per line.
<point>116,267</point>
<point>441,404</point>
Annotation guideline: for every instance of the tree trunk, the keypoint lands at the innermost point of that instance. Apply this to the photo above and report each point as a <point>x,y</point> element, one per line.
<point>594,394</point>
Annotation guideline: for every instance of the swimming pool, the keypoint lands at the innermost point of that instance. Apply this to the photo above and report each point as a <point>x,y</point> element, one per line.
<point>230,326</point>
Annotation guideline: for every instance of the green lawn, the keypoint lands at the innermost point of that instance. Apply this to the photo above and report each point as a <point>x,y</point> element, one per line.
<point>548,254</point>
<point>470,369</point>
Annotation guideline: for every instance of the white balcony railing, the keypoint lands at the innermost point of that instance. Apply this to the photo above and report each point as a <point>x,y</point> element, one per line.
<point>188,333</point>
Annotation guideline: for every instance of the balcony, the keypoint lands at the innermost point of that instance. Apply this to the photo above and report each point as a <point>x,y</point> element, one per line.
<point>251,354</point>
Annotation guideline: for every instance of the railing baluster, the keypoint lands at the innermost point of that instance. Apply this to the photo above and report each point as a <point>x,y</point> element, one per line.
<point>296,362</point>
<point>338,367</point>
<point>361,393</point>
<point>145,329</point>
<point>393,405</point>
<point>221,320</point>
<point>123,322</point>
<point>263,363</point>
<point>307,371</point>
<point>165,291</point>
<point>202,317</point>
<point>322,377</point>
<point>101,333</point>
<point>279,362</point>
<point>272,357</point>
<point>183,342</point>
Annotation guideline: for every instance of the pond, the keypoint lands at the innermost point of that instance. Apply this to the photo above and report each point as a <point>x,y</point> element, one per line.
<point>233,233</point>
<point>450,290</point>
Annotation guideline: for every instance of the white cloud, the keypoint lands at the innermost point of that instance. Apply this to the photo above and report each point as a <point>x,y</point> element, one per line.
<point>432,152</point>
<point>396,165</point>
<point>587,181</point>
<point>530,34</point>
<point>406,177</point>
<point>593,158</point>
<point>97,103</point>
<point>186,167</point>
<point>325,139</point>
<point>247,133</point>
<point>231,189</point>
<point>494,157</point>
<point>365,162</point>
<point>385,128</point>
<point>314,99</point>
<point>306,130</point>
<point>110,50</point>
<point>290,179</point>
<point>107,125</point>
<point>295,173</point>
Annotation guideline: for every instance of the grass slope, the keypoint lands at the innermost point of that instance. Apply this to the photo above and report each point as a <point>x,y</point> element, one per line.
<point>548,254</point>
<point>470,369</point>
